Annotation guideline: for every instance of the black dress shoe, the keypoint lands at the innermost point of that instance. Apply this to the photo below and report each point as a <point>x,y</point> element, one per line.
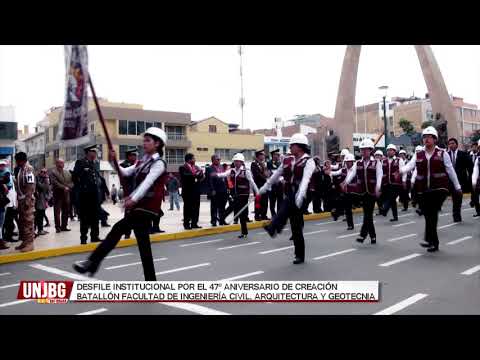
<point>258,219</point>
<point>86,266</point>
<point>270,230</point>
<point>196,227</point>
<point>243,236</point>
<point>187,227</point>
<point>248,220</point>
<point>95,240</point>
<point>214,225</point>
<point>394,219</point>
<point>298,260</point>
<point>373,241</point>
<point>476,215</point>
<point>58,230</point>
<point>106,225</point>
<point>223,223</point>
<point>425,244</point>
<point>65,229</point>
<point>472,204</point>
<point>404,209</point>
<point>419,212</point>
<point>360,240</point>
<point>350,228</point>
<point>432,249</point>
<point>456,220</point>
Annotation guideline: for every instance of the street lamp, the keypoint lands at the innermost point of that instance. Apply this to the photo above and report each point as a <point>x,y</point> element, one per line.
<point>385,88</point>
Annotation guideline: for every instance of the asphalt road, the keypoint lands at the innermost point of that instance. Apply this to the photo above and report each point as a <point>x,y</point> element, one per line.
<point>413,281</point>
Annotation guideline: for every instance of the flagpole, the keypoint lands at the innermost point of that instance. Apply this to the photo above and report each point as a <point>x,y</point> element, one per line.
<point>107,136</point>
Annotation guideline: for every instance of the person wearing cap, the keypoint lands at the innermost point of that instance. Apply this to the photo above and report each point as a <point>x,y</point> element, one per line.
<point>434,169</point>
<point>462,163</point>
<point>405,190</point>
<point>260,175</point>
<point>242,182</point>
<point>217,191</point>
<point>191,177</point>
<point>392,181</point>
<point>345,197</point>
<point>296,171</point>
<point>276,194</point>
<point>473,156</point>
<point>141,205</point>
<point>339,164</point>
<point>6,184</point>
<point>25,188</point>
<point>62,186</point>
<point>368,172</point>
<point>378,155</point>
<point>41,190</point>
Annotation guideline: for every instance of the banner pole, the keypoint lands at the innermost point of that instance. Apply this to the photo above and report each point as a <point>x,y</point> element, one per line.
<point>107,137</point>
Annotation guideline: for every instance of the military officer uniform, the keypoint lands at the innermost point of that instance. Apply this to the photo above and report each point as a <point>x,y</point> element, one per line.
<point>86,177</point>
<point>25,188</point>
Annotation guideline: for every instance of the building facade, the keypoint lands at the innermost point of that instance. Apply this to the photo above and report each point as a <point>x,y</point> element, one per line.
<point>8,132</point>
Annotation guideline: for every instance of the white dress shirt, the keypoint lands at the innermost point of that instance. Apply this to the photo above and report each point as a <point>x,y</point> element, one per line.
<point>248,175</point>
<point>454,153</point>
<point>157,169</point>
<point>475,174</point>
<point>379,172</point>
<point>446,161</point>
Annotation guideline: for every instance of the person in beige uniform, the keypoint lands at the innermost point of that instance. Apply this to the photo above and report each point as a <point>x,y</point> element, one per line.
<point>25,187</point>
<point>62,185</point>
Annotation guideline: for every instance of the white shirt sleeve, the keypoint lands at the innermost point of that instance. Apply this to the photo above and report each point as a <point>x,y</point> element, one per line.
<point>379,176</point>
<point>307,174</point>
<point>254,187</point>
<point>224,174</point>
<point>335,167</point>
<point>409,166</point>
<point>401,164</point>
<point>351,174</point>
<point>274,178</point>
<point>414,175</point>
<point>129,171</point>
<point>451,171</point>
<point>157,169</point>
<point>336,173</point>
<point>475,174</point>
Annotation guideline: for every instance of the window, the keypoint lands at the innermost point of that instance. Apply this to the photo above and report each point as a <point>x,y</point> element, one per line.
<point>100,151</point>
<point>175,156</point>
<point>56,153</point>
<point>47,154</point>
<point>212,128</point>
<point>148,124</point>
<point>55,132</point>
<point>71,154</point>
<point>140,127</point>
<point>123,127</point>
<point>202,149</point>
<point>122,150</point>
<point>158,124</point>
<point>175,132</point>
<point>391,106</point>
<point>132,127</point>
<point>47,137</point>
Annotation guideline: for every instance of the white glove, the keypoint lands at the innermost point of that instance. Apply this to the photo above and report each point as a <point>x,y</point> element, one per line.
<point>299,201</point>
<point>263,189</point>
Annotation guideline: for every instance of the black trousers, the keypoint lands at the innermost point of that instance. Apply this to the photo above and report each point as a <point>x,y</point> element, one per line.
<point>217,208</point>
<point>390,195</point>
<point>238,203</point>
<point>404,198</point>
<point>275,197</point>
<point>155,227</point>
<point>89,217</point>
<point>431,202</point>
<point>39,216</point>
<point>474,196</point>
<point>316,202</point>
<point>139,222</point>
<point>368,228</point>
<point>261,214</point>
<point>11,216</point>
<point>289,210</point>
<point>345,207</point>
<point>191,208</point>
<point>457,204</point>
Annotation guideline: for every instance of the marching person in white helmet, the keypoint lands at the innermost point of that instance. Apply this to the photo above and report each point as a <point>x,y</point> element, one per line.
<point>392,182</point>
<point>412,183</point>
<point>369,173</point>
<point>378,155</point>
<point>296,171</point>
<point>141,206</point>
<point>242,182</point>
<point>405,190</point>
<point>338,166</point>
<point>434,168</point>
<point>475,182</point>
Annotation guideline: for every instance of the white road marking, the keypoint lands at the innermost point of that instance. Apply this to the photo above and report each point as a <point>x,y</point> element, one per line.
<point>446,214</point>
<point>402,304</point>
<point>403,224</point>
<point>92,312</point>
<point>14,303</point>
<point>469,209</point>
<point>459,240</point>
<point>405,215</point>
<point>131,264</point>
<point>275,250</point>
<point>235,246</point>
<point>361,223</point>
<point>242,276</point>
<point>315,232</point>
<point>402,237</point>
<point>119,255</point>
<point>9,286</point>
<point>448,225</point>
<point>202,310</point>
<point>4,274</point>
<point>201,242</point>
<point>334,254</point>
<point>399,260</point>
<point>472,270</point>
<point>327,222</point>
<point>61,272</point>
<point>182,268</point>
<point>349,235</point>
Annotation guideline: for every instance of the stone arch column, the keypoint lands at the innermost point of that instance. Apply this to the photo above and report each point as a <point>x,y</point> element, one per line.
<point>345,106</point>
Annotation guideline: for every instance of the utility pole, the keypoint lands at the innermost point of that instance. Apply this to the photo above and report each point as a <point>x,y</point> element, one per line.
<point>242,98</point>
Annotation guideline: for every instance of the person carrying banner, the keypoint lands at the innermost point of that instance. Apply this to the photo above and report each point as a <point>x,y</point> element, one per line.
<point>434,169</point>
<point>242,180</point>
<point>141,206</point>
<point>296,171</point>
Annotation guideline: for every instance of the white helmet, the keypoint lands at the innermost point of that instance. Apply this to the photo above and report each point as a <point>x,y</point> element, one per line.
<point>418,148</point>
<point>239,156</point>
<point>367,144</point>
<point>478,142</point>
<point>402,152</point>
<point>349,157</point>
<point>155,131</point>
<point>344,152</point>
<point>391,146</point>
<point>378,152</point>
<point>298,139</point>
<point>430,130</point>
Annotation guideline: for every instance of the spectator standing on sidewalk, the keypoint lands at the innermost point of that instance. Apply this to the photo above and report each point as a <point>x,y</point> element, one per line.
<point>5,186</point>
<point>62,185</point>
<point>113,194</point>
<point>11,215</point>
<point>173,186</point>
<point>41,193</point>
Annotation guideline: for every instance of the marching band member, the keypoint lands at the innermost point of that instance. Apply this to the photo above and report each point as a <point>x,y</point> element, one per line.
<point>297,171</point>
<point>434,168</point>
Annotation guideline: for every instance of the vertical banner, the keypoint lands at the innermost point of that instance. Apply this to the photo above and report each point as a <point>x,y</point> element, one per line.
<point>73,127</point>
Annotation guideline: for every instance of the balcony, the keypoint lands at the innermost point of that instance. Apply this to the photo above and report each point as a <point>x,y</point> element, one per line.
<point>177,140</point>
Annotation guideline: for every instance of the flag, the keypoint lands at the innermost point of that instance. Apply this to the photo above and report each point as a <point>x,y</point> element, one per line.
<point>74,118</point>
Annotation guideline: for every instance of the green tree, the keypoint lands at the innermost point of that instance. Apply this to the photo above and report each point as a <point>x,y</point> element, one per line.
<point>406,126</point>
<point>475,136</point>
<point>427,124</point>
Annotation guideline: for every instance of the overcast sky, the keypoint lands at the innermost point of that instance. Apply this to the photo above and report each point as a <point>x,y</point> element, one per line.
<point>204,80</point>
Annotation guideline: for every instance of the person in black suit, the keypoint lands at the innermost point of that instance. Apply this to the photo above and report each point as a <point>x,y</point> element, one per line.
<point>217,192</point>
<point>463,165</point>
<point>276,194</point>
<point>473,156</point>
<point>260,175</point>
<point>191,177</point>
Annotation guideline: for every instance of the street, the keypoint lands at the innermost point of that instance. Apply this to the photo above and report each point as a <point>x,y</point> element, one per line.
<point>413,281</point>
